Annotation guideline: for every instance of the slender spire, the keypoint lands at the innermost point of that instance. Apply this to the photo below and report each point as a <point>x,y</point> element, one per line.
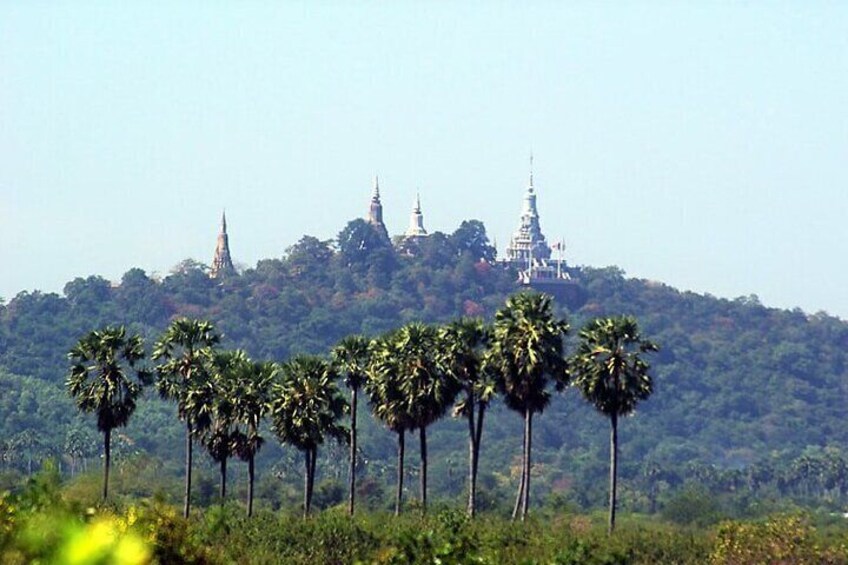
<point>222,262</point>
<point>416,220</point>
<point>375,211</point>
<point>530,187</point>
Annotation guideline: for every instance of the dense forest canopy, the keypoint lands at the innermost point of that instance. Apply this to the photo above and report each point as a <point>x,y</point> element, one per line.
<point>744,394</point>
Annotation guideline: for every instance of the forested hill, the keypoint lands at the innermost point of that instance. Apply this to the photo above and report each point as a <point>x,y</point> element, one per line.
<point>737,383</point>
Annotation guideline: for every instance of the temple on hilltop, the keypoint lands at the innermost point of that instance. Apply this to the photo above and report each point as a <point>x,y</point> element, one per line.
<point>416,221</point>
<point>375,212</point>
<point>222,262</point>
<point>529,252</point>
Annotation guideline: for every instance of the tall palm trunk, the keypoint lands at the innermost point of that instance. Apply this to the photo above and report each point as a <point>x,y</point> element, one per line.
<point>520,495</point>
<point>399,495</point>
<point>250,477</point>
<point>528,433</point>
<point>107,460</point>
<point>307,459</point>
<point>187,501</point>
<point>613,469</point>
<point>472,450</point>
<point>422,436</point>
<point>352,478</point>
<point>223,479</point>
<point>476,464</point>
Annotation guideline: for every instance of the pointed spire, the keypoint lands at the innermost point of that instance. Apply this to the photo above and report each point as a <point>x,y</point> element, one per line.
<point>416,220</point>
<point>376,196</point>
<point>222,262</point>
<point>530,187</point>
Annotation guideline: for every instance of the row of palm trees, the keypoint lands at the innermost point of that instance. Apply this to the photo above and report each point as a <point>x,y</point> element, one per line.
<point>412,377</point>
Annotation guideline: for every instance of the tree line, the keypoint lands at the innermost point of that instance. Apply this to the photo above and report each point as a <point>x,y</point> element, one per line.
<point>411,376</point>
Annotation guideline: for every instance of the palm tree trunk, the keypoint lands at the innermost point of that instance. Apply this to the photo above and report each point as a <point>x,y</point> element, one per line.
<point>187,501</point>
<point>520,495</point>
<point>107,460</point>
<point>312,463</point>
<point>307,455</point>
<point>399,495</point>
<point>352,485</point>
<point>223,479</point>
<point>528,432</point>
<point>476,466</point>
<point>613,469</point>
<point>422,436</point>
<point>472,448</point>
<point>250,477</point>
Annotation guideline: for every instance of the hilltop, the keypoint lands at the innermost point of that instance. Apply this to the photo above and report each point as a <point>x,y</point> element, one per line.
<point>740,387</point>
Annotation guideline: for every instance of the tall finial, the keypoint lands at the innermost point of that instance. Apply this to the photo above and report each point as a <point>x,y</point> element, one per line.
<point>531,169</point>
<point>417,200</point>
<point>224,221</point>
<point>376,188</point>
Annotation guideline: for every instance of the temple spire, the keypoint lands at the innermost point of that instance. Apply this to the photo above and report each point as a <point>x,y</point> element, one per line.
<point>530,187</point>
<point>222,262</point>
<point>416,220</point>
<point>375,211</point>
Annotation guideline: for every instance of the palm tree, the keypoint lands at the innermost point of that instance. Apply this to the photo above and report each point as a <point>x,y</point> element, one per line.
<point>306,409</point>
<point>351,357</point>
<point>426,390</point>
<point>185,350</point>
<point>610,372</point>
<point>252,399</point>
<point>101,381</point>
<point>464,342</point>
<point>388,402</point>
<point>526,353</point>
<point>221,436</point>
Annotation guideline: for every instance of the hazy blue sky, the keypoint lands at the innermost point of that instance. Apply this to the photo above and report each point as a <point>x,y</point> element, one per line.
<point>700,144</point>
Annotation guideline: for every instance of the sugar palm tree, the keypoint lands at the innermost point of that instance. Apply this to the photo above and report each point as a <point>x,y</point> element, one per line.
<point>388,402</point>
<point>252,401</point>
<point>185,351</point>
<point>426,389</point>
<point>227,369</point>
<point>609,370</point>
<point>351,357</point>
<point>526,353</point>
<point>463,346</point>
<point>306,408</point>
<point>105,379</point>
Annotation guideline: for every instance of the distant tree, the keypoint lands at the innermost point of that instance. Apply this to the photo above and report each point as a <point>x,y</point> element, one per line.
<point>351,357</point>
<point>470,237</point>
<point>609,370</point>
<point>361,245</point>
<point>185,351</point>
<point>389,403</point>
<point>464,343</point>
<point>527,354</point>
<point>252,401</point>
<point>306,407</point>
<point>427,390</point>
<point>227,369</point>
<point>105,379</point>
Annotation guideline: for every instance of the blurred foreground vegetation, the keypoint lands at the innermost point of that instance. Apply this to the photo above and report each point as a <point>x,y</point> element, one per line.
<point>45,520</point>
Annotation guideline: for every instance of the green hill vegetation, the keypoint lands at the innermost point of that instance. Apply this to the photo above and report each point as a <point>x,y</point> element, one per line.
<point>745,417</point>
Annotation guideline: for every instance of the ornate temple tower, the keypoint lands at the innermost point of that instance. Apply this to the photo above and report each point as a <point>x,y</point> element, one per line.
<point>416,220</point>
<point>222,263</point>
<point>528,242</point>
<point>375,212</point>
